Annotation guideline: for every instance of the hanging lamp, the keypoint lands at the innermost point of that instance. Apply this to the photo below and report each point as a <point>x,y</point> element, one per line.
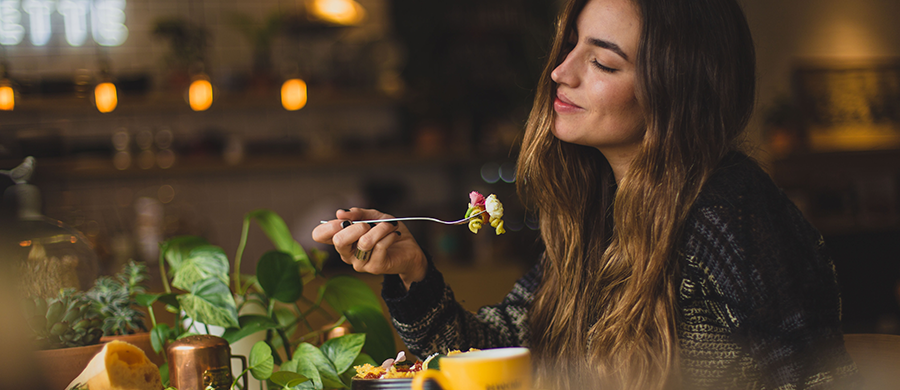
<point>200,93</point>
<point>7,92</point>
<point>341,12</point>
<point>105,97</point>
<point>293,94</point>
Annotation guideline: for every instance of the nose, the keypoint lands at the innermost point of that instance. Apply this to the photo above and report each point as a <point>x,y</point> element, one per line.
<point>564,73</point>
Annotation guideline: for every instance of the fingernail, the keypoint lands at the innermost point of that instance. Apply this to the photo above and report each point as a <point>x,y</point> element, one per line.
<point>372,224</point>
<point>393,223</point>
<point>397,232</point>
<point>347,210</point>
<point>344,224</point>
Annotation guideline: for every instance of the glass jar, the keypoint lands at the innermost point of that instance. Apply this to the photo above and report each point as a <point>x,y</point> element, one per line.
<point>46,254</point>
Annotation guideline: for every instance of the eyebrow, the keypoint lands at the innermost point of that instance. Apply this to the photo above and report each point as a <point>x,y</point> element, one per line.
<point>609,46</point>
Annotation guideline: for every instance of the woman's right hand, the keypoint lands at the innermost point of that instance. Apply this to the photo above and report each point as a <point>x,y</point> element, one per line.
<point>385,248</point>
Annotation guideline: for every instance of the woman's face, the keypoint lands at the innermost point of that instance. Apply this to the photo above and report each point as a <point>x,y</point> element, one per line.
<point>595,100</point>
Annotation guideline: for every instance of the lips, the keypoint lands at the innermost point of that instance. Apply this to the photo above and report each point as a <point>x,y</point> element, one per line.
<point>563,105</point>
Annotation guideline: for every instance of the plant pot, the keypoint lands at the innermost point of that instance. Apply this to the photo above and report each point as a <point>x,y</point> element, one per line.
<point>140,340</point>
<point>61,366</point>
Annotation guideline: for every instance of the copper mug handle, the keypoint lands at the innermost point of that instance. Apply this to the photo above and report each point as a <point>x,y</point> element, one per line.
<point>243,360</point>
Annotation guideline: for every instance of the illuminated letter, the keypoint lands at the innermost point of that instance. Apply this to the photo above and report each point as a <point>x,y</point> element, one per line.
<point>39,17</point>
<point>108,22</point>
<point>11,32</point>
<point>74,14</point>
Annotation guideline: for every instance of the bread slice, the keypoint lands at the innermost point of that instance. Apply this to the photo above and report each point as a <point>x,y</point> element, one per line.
<point>119,366</point>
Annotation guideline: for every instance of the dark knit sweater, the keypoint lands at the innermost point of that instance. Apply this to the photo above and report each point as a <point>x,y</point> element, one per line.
<point>759,305</point>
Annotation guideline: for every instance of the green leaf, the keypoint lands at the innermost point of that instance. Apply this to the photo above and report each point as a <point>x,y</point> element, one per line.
<point>318,257</point>
<point>306,368</point>
<point>279,276</point>
<point>158,337</point>
<point>285,317</point>
<point>261,361</point>
<point>342,351</point>
<point>203,263</point>
<point>177,249</point>
<point>146,300</point>
<point>278,232</point>
<point>249,324</point>
<point>210,302</point>
<point>343,292</point>
<point>309,353</point>
<point>164,373</point>
<point>364,358</point>
<point>379,336</point>
<point>287,379</point>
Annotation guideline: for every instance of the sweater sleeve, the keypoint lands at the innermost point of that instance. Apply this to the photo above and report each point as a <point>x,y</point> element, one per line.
<point>769,269</point>
<point>430,320</point>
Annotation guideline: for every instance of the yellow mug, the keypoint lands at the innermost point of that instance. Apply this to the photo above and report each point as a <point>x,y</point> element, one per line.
<point>489,369</point>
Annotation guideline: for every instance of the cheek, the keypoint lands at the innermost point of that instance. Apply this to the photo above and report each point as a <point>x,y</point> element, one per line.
<point>618,104</point>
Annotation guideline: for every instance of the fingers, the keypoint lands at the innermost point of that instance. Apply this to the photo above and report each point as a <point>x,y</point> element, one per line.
<point>325,232</point>
<point>359,214</point>
<point>362,245</point>
<point>374,260</point>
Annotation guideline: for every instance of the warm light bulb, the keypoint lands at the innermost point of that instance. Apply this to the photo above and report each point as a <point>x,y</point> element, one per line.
<point>105,97</point>
<point>293,94</point>
<point>200,95</point>
<point>7,97</point>
<point>344,12</point>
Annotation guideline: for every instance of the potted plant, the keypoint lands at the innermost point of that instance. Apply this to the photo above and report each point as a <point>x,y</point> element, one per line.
<point>201,286</point>
<point>115,299</point>
<point>187,44</point>
<point>67,331</point>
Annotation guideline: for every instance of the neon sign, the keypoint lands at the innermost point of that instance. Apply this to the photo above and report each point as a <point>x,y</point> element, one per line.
<point>105,17</point>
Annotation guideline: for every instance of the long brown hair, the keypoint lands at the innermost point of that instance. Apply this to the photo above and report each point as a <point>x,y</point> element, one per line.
<point>606,308</point>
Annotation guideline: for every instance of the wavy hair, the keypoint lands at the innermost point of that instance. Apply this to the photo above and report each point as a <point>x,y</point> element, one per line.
<point>606,309</point>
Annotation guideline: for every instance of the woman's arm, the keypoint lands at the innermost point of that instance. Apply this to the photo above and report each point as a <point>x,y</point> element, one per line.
<point>429,320</point>
<point>768,277</point>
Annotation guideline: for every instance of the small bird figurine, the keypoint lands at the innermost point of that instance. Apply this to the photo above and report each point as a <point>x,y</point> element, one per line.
<point>22,173</point>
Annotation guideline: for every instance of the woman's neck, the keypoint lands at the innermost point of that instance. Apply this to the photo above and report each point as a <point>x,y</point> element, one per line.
<point>619,160</point>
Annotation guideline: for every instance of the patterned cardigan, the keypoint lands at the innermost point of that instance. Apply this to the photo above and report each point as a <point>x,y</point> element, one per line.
<point>759,301</point>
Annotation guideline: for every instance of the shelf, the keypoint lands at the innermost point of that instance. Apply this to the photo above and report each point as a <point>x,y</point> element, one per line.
<point>69,168</point>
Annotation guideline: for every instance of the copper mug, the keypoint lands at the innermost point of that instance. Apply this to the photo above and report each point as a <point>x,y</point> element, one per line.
<point>201,361</point>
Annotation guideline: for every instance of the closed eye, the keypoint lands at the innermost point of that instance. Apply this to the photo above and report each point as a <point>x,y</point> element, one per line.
<point>603,67</point>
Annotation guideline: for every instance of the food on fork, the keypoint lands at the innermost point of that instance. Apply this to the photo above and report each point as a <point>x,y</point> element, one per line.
<point>493,212</point>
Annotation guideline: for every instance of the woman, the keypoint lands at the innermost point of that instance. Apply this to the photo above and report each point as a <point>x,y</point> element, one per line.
<point>672,260</point>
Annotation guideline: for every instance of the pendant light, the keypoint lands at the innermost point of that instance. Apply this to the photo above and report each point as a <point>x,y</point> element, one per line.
<point>200,93</point>
<point>105,96</point>
<point>7,96</point>
<point>293,94</point>
<point>341,12</point>
<point>7,92</point>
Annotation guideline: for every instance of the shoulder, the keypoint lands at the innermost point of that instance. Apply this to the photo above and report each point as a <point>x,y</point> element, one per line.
<point>745,238</point>
<point>741,207</point>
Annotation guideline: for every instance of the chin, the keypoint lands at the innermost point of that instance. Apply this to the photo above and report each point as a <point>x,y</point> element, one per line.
<point>566,137</point>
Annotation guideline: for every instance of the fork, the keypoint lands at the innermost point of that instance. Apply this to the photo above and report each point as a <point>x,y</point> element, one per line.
<point>457,222</point>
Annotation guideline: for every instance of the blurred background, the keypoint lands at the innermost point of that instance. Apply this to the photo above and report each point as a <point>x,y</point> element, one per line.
<point>155,118</point>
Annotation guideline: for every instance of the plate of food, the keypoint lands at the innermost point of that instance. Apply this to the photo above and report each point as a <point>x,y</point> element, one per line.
<point>397,373</point>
